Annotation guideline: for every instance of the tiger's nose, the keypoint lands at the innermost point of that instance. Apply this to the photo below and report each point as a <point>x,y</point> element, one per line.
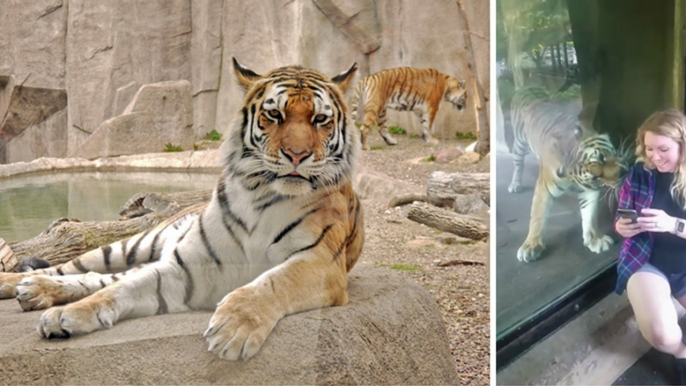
<point>296,158</point>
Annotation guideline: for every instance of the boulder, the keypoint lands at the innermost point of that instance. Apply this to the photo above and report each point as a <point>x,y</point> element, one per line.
<point>467,159</point>
<point>111,44</point>
<point>444,156</point>
<point>32,121</point>
<point>391,332</point>
<point>469,203</point>
<point>370,184</point>
<point>44,139</point>
<point>159,114</point>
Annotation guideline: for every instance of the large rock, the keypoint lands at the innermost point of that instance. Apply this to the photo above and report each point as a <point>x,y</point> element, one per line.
<point>370,184</point>
<point>32,121</point>
<point>159,114</point>
<point>391,332</point>
<point>45,139</point>
<point>111,44</point>
<point>32,42</point>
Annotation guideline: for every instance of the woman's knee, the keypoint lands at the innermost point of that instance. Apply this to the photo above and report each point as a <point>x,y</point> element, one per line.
<point>663,336</point>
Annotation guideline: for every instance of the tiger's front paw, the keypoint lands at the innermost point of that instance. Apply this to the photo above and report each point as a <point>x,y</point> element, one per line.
<point>515,187</point>
<point>40,292</point>
<point>238,328</point>
<point>389,140</point>
<point>530,251</point>
<point>598,244</point>
<point>8,284</point>
<point>74,319</point>
<point>430,140</point>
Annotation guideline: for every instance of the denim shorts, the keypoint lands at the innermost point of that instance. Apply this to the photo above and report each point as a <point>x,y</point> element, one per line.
<point>677,281</point>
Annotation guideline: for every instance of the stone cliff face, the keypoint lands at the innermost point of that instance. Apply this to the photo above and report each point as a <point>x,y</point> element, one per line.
<point>79,63</point>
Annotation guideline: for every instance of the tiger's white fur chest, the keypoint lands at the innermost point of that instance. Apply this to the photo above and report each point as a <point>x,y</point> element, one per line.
<point>250,235</point>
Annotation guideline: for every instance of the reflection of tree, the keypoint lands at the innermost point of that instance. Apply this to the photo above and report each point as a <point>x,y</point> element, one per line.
<point>532,27</point>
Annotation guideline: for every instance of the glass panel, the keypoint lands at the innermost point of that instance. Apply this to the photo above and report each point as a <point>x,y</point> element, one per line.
<point>573,77</point>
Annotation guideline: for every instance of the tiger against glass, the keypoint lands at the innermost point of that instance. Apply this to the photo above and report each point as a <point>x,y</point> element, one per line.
<point>279,235</point>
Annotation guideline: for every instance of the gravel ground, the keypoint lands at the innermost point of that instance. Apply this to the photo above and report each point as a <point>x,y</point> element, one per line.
<point>415,250</point>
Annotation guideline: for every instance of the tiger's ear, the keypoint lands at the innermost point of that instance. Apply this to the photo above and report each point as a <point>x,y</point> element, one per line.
<point>246,76</point>
<point>561,172</point>
<point>343,79</point>
<point>581,131</point>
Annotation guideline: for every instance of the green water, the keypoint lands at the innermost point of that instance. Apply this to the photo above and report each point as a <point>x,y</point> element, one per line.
<point>29,204</point>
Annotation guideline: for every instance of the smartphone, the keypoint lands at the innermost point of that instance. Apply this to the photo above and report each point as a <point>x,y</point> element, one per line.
<point>628,213</point>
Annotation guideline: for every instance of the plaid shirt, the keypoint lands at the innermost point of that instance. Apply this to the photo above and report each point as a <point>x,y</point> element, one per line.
<point>637,193</point>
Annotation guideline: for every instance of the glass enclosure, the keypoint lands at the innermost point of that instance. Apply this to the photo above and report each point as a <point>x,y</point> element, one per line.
<point>568,71</point>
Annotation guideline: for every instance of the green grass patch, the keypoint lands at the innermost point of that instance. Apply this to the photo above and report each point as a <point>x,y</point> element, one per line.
<point>213,136</point>
<point>358,125</point>
<point>396,130</point>
<point>413,135</point>
<point>169,148</point>
<point>573,93</point>
<point>468,135</point>
<point>406,267</point>
<point>196,147</point>
<point>378,148</point>
<point>431,158</point>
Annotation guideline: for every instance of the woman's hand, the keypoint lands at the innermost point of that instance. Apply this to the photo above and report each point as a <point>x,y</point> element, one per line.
<point>626,228</point>
<point>656,220</point>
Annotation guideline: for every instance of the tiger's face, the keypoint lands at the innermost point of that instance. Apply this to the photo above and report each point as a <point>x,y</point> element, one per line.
<point>599,164</point>
<point>456,93</point>
<point>294,136</point>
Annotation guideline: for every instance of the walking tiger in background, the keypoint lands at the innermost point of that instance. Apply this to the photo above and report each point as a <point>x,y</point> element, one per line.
<point>405,89</point>
<point>572,158</point>
<point>279,235</point>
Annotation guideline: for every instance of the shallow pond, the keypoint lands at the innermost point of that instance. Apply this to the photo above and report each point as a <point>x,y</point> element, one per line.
<point>28,204</point>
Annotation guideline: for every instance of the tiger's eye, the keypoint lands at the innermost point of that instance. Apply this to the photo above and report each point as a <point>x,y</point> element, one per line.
<point>319,118</point>
<point>274,114</point>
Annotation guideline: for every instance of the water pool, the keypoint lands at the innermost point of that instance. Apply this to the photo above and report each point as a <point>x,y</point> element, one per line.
<point>28,204</point>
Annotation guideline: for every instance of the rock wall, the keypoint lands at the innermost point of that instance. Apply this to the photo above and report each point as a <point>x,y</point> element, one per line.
<point>100,53</point>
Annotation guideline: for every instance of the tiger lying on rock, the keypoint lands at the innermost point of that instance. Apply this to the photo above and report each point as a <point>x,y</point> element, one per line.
<point>279,235</point>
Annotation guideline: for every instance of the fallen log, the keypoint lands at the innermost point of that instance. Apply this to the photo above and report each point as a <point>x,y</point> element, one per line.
<point>463,226</point>
<point>65,239</point>
<point>442,188</point>
<point>404,199</point>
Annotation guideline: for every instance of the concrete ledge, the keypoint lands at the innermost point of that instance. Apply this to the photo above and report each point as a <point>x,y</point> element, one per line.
<point>593,349</point>
<point>188,160</point>
<point>391,332</point>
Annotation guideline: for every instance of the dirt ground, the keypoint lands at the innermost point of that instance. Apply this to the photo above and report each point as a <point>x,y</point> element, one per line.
<point>415,250</point>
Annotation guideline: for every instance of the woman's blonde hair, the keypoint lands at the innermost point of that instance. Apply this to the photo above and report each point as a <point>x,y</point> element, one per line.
<point>670,123</point>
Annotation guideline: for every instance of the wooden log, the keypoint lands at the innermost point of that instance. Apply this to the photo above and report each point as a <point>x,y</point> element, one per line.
<point>442,187</point>
<point>447,221</point>
<point>6,255</point>
<point>404,199</point>
<point>65,239</point>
